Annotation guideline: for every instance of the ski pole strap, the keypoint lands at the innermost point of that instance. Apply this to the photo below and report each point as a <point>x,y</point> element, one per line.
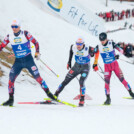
<point>49,68</point>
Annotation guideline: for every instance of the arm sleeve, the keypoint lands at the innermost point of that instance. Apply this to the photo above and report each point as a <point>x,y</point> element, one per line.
<point>70,54</point>
<point>4,43</point>
<point>117,46</point>
<point>32,39</point>
<point>97,53</point>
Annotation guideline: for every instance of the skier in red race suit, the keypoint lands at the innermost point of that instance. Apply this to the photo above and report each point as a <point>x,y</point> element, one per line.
<point>20,42</point>
<point>107,51</point>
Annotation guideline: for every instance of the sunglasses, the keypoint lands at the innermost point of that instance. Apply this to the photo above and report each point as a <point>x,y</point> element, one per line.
<point>80,44</point>
<point>14,26</point>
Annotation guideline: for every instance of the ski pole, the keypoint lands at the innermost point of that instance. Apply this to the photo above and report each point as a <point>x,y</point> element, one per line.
<point>101,69</point>
<point>49,68</point>
<point>126,61</point>
<point>47,65</point>
<point>101,77</point>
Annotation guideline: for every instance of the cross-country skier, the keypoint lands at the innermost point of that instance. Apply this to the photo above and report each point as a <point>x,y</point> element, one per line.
<point>107,51</point>
<point>20,42</point>
<point>82,55</point>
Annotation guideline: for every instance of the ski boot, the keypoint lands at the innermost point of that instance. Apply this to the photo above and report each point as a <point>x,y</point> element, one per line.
<point>81,103</point>
<point>131,93</point>
<point>9,102</point>
<point>108,100</point>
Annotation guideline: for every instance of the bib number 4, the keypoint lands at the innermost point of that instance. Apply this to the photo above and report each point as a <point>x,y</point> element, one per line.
<point>19,47</point>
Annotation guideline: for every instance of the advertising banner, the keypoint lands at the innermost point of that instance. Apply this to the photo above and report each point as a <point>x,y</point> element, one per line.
<point>77,15</point>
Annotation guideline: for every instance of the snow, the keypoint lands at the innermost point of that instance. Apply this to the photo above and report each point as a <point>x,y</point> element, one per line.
<point>55,37</point>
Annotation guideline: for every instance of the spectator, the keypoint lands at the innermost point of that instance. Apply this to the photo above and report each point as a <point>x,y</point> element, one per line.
<point>127,48</point>
<point>113,16</point>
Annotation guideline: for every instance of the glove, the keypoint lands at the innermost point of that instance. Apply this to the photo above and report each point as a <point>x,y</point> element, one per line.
<point>37,55</point>
<point>95,67</point>
<point>116,56</point>
<point>68,66</point>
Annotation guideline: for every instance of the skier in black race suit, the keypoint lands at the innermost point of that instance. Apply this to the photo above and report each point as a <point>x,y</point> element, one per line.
<point>82,54</point>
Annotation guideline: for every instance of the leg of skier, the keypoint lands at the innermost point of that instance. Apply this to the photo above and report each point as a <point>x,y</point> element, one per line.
<point>15,71</point>
<point>84,75</point>
<point>32,68</point>
<point>70,75</point>
<point>119,74</point>
<point>107,76</point>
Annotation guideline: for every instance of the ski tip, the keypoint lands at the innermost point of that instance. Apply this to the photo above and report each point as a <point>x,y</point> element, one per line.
<point>74,106</point>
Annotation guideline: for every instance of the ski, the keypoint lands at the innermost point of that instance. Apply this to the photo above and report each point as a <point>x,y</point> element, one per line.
<point>39,102</point>
<point>104,105</point>
<point>128,98</point>
<point>6,106</point>
<point>62,102</point>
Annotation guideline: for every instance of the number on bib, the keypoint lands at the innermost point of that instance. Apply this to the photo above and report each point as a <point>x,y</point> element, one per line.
<point>107,55</point>
<point>19,47</point>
